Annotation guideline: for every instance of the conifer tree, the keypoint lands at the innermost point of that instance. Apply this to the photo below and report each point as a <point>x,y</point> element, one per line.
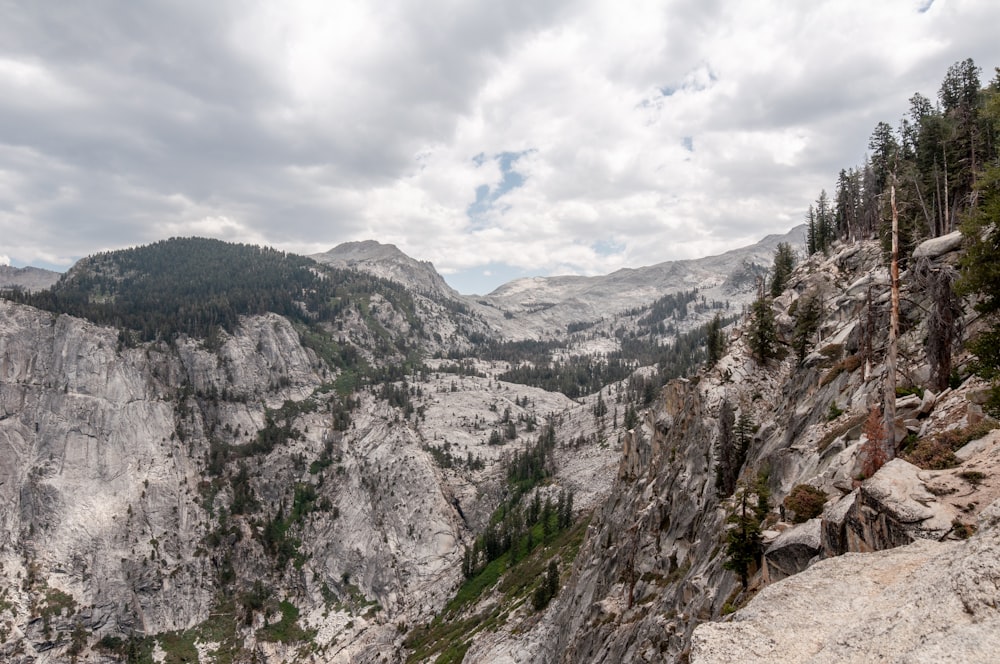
<point>784,263</point>
<point>981,276</point>
<point>744,431</point>
<point>743,539</point>
<point>727,465</point>
<point>763,332</point>
<point>807,314</point>
<point>714,342</point>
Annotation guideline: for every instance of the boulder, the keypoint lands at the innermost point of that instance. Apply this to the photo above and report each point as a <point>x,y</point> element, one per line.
<point>893,508</point>
<point>939,246</point>
<point>927,403</point>
<point>833,525</point>
<point>792,550</point>
<point>910,401</point>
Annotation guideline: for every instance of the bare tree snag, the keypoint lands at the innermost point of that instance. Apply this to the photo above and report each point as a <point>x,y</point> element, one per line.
<point>890,360</point>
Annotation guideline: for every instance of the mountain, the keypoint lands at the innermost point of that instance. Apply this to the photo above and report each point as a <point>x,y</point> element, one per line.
<point>187,470</point>
<point>223,453</point>
<point>652,572</point>
<point>388,262</point>
<point>636,286</point>
<point>29,278</point>
<point>535,307</point>
<point>542,304</point>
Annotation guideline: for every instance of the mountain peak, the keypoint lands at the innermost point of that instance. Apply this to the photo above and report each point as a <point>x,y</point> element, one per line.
<point>29,278</point>
<point>389,262</point>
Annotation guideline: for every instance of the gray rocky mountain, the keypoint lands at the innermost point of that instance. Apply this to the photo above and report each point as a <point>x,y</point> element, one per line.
<point>387,261</point>
<point>28,278</point>
<point>546,305</point>
<point>538,307</point>
<point>300,490</point>
<point>651,568</point>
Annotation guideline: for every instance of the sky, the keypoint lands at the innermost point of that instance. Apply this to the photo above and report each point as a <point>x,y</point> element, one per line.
<point>494,139</point>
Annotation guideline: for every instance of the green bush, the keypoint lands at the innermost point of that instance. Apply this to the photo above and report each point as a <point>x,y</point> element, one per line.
<point>806,502</point>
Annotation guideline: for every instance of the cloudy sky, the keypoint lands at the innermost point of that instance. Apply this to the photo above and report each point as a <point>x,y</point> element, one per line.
<point>495,139</point>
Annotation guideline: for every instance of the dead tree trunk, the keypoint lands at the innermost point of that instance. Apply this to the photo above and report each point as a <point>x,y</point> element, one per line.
<point>890,360</point>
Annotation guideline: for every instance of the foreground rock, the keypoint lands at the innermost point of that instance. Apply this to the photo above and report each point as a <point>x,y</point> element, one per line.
<point>925,602</point>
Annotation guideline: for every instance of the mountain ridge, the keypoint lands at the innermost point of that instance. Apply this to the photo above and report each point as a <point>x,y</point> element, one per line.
<point>29,278</point>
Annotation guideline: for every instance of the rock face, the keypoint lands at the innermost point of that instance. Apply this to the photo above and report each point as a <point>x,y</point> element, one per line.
<point>651,568</point>
<point>541,304</point>
<point>892,508</point>
<point>110,504</point>
<point>387,261</point>
<point>645,575</point>
<point>924,602</point>
<point>135,494</point>
<point>792,551</point>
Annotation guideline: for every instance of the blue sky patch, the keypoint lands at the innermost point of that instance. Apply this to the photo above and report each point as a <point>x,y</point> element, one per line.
<point>607,247</point>
<point>487,196</point>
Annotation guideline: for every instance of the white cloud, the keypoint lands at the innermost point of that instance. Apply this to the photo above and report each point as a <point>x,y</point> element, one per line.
<point>673,129</point>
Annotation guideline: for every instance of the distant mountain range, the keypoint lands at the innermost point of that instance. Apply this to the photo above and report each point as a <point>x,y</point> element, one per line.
<point>28,278</point>
<point>536,306</point>
<point>533,306</point>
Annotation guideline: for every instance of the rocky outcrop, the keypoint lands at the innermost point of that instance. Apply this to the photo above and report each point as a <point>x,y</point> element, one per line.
<point>387,261</point>
<point>939,246</point>
<point>116,506</point>
<point>647,573</point>
<point>924,602</point>
<point>793,551</point>
<point>892,508</point>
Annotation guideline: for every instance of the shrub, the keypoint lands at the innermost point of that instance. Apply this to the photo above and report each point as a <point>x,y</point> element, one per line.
<point>805,501</point>
<point>938,452</point>
<point>848,364</point>
<point>872,452</point>
<point>973,477</point>
<point>962,530</point>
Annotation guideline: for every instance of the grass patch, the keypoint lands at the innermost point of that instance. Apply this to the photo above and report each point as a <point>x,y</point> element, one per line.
<point>938,452</point>
<point>287,629</point>
<point>179,647</point>
<point>848,364</point>
<point>446,639</point>
<point>840,430</point>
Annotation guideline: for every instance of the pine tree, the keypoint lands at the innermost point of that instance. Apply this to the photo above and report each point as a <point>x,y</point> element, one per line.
<point>824,222</point>
<point>763,332</point>
<point>727,465</point>
<point>552,578</point>
<point>811,238</point>
<point>744,431</point>
<point>714,342</point>
<point>981,276</point>
<point>884,149</point>
<point>784,263</point>
<point>743,540</point>
<point>807,314</point>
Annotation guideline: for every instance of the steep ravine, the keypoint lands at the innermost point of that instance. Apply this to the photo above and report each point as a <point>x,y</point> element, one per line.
<point>651,569</point>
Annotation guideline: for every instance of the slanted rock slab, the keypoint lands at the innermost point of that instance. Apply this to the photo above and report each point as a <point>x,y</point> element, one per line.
<point>925,602</point>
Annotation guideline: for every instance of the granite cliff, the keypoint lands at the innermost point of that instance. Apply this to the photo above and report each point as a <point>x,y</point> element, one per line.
<point>309,486</point>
